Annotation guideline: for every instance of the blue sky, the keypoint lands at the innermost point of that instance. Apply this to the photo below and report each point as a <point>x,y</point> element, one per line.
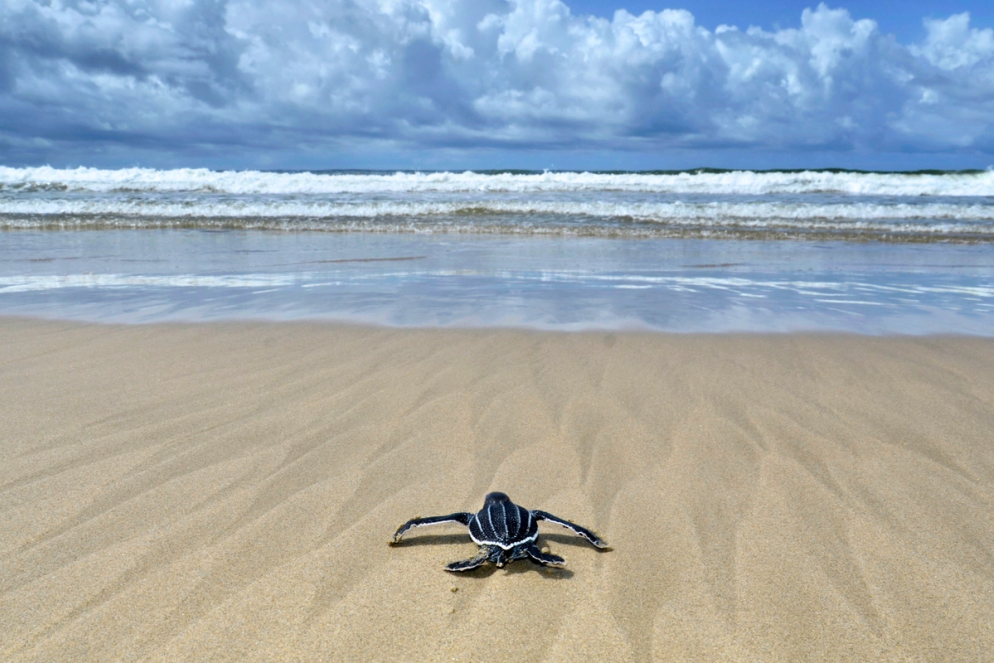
<point>902,19</point>
<point>496,84</point>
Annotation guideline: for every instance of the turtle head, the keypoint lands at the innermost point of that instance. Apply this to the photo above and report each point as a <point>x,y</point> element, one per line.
<point>498,556</point>
<point>493,498</point>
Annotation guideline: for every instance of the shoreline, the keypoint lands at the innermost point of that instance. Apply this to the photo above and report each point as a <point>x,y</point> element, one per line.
<point>332,324</point>
<point>670,286</point>
<point>225,490</point>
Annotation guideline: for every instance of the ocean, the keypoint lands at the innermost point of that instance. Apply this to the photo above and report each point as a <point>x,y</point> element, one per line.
<point>691,251</point>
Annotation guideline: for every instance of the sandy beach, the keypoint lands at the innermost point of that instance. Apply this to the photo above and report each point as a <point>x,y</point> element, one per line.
<point>226,491</point>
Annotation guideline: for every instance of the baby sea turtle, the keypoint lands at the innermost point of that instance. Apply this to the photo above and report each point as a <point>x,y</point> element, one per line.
<point>504,531</point>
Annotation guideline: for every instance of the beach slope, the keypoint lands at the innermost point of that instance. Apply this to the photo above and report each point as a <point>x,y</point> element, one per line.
<point>227,491</point>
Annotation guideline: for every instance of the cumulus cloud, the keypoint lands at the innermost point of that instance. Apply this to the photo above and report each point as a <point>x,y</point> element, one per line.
<point>250,76</point>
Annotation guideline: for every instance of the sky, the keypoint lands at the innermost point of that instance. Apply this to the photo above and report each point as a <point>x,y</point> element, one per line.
<point>453,84</point>
<point>902,18</point>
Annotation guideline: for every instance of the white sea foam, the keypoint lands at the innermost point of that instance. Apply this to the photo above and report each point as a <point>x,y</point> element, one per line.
<point>648,211</point>
<point>845,205</point>
<point>625,217</point>
<point>39,283</point>
<point>735,182</point>
<point>736,286</point>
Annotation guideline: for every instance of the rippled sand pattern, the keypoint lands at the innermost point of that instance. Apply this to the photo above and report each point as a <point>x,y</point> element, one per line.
<point>226,492</point>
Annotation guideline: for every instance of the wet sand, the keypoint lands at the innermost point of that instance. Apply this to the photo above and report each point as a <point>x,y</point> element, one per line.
<point>227,491</point>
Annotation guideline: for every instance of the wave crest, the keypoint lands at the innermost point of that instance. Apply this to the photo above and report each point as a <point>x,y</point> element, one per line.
<point>957,183</point>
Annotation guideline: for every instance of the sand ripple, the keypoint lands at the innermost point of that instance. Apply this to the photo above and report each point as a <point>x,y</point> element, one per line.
<point>226,492</point>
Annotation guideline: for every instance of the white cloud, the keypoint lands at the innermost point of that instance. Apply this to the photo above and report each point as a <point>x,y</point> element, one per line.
<point>249,75</point>
<point>952,44</point>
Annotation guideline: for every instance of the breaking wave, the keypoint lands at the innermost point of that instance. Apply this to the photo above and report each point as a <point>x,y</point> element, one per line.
<point>959,183</point>
<point>926,207</point>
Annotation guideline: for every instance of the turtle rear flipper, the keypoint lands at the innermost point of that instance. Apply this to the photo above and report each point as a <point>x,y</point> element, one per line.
<point>468,564</point>
<point>544,559</point>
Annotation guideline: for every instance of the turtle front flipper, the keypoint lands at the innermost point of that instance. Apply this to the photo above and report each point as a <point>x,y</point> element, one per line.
<point>580,531</point>
<point>469,564</point>
<point>544,558</point>
<point>461,518</point>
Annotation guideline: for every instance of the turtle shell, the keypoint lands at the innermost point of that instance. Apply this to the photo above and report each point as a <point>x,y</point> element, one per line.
<point>502,523</point>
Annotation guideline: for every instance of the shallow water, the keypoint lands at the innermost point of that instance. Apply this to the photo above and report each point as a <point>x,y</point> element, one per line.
<point>566,283</point>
